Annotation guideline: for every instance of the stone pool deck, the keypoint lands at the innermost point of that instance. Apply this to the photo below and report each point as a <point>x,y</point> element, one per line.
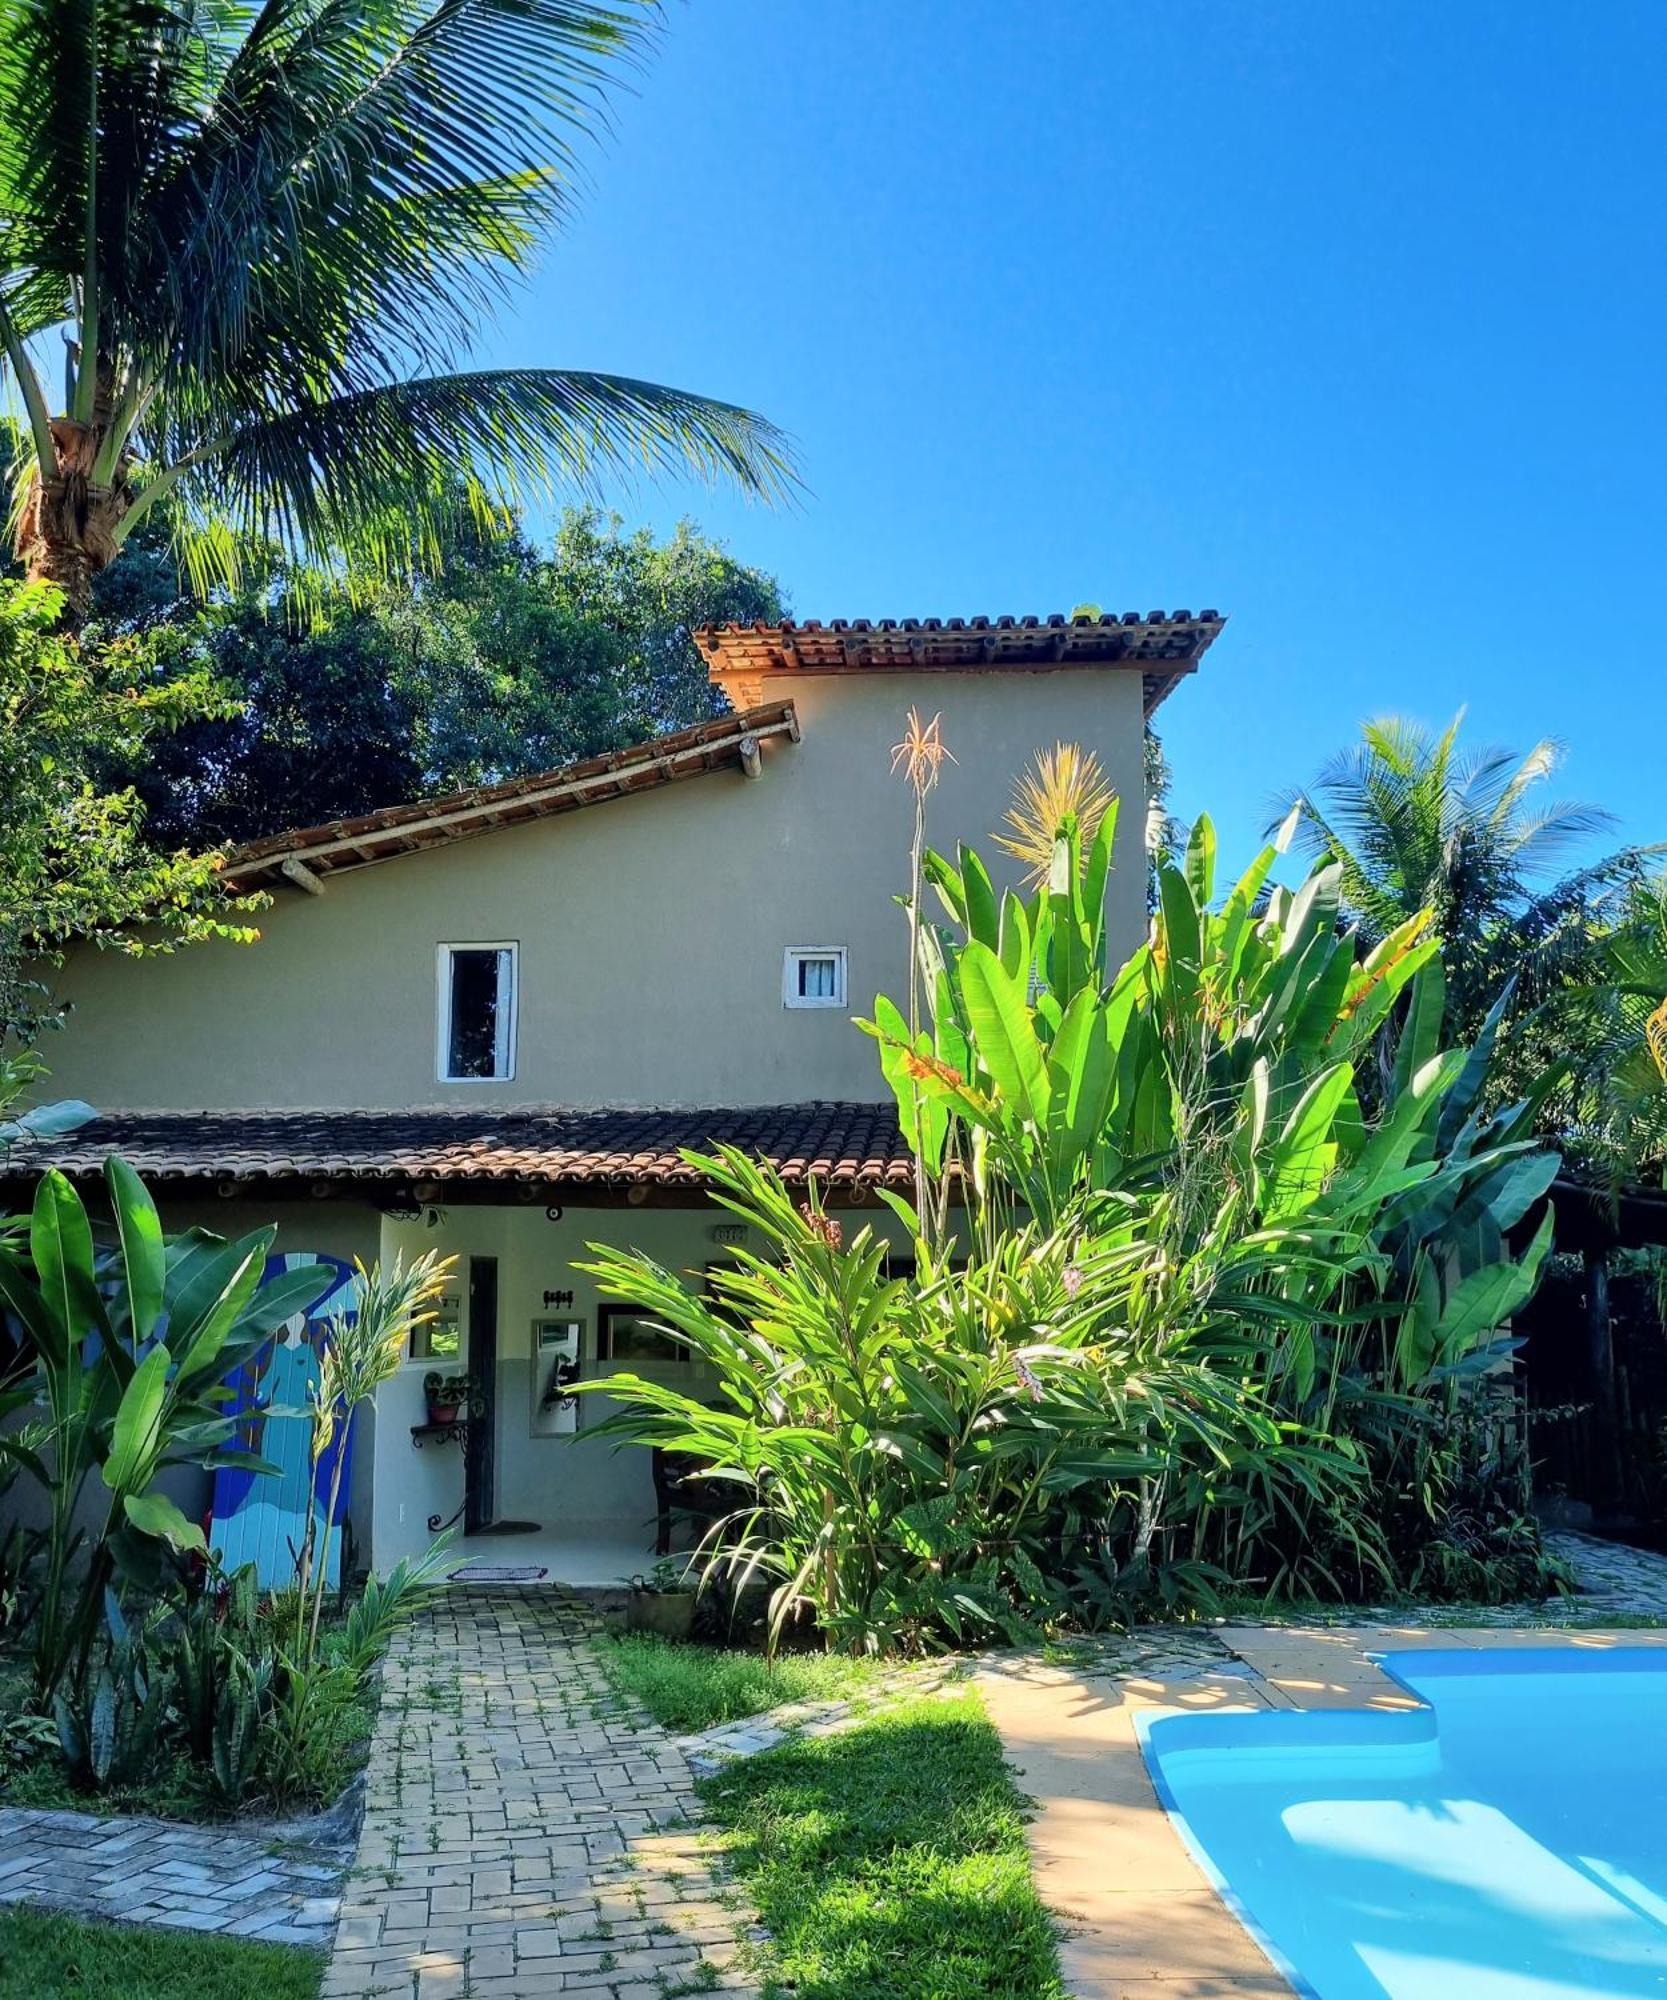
<point>1141,1922</point>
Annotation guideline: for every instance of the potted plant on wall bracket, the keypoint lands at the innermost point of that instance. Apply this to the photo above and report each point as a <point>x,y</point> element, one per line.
<point>451,1396</point>
<point>663,1601</point>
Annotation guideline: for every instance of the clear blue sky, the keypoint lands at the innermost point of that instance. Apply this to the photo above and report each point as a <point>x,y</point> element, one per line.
<point>1347,319</point>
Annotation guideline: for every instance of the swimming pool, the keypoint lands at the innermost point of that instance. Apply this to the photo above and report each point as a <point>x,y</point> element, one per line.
<point>1508,1841</point>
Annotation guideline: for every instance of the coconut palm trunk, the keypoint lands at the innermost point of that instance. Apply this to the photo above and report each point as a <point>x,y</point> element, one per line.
<point>70,525</point>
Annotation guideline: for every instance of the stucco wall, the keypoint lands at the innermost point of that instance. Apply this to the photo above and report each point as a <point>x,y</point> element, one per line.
<point>651,929</point>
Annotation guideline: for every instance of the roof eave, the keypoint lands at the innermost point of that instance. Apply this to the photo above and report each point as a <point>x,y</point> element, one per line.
<point>309,856</point>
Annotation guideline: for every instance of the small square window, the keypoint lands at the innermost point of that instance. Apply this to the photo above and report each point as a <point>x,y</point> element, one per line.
<point>477,1013</point>
<point>814,976</point>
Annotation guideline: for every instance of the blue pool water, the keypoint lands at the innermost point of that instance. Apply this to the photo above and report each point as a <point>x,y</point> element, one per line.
<point>1508,1841</point>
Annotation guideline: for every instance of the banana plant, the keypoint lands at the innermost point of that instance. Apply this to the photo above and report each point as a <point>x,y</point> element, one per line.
<point>131,1350</point>
<point>1239,1052</point>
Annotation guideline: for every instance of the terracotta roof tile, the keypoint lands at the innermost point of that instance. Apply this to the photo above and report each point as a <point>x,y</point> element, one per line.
<point>841,1145</point>
<point>1162,646</point>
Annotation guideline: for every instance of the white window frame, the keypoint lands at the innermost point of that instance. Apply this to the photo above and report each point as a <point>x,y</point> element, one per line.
<point>794,956</point>
<point>442,1010</point>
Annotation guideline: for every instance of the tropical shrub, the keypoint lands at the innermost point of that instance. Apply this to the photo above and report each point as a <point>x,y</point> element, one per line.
<point>1276,1107</point>
<point>148,1659</point>
<point>129,1350</point>
<point>363,1349</point>
<point>976,1449</point>
<point>1211,1257</point>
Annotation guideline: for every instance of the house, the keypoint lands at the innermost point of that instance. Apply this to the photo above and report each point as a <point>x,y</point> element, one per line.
<point>488,1024</point>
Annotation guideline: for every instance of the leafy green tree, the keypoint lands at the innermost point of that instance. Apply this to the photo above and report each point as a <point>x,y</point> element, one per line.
<point>268,234</point>
<point>74,860</point>
<point>499,659</point>
<point>1416,823</point>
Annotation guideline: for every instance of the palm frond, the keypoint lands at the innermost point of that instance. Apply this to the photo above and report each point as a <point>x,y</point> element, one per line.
<point>355,176</point>
<point>375,472</point>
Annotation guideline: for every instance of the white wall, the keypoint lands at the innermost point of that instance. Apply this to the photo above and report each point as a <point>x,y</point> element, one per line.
<point>576,1484</point>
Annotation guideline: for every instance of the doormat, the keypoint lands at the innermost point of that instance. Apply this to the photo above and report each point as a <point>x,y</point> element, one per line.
<point>499,1573</point>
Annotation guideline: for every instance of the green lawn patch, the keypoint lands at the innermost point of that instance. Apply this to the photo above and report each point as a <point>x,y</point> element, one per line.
<point>890,1860</point>
<point>46,1956</point>
<point>688,1687</point>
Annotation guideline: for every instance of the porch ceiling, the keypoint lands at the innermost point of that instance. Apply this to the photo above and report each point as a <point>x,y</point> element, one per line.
<point>842,1146</point>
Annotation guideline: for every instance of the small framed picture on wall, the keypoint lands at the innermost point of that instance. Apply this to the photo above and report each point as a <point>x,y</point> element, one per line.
<point>623,1334</point>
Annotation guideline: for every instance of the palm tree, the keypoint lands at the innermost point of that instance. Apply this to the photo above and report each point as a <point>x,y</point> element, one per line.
<point>267,233</point>
<point>1415,823</point>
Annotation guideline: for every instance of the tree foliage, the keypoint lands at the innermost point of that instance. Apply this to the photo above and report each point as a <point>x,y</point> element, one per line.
<point>1414,821</point>
<point>74,857</point>
<point>500,659</point>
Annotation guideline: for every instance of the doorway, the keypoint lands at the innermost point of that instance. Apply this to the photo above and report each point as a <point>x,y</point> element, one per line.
<point>480,1475</point>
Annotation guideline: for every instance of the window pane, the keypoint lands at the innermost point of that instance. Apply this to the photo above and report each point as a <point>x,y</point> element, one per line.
<point>478,1044</point>
<point>816,978</point>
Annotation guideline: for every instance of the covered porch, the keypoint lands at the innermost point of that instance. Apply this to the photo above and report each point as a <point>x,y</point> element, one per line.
<point>516,1198</point>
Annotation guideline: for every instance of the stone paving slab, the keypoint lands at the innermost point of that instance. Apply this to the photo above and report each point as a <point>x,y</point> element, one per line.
<point>527,1833</point>
<point>708,1750</point>
<point>154,1871</point>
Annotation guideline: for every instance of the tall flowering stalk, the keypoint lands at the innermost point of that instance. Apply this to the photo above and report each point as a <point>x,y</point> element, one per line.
<point>918,759</point>
<point>363,1349</point>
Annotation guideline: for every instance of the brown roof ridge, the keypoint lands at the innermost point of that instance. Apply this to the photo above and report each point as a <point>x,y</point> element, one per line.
<point>1161,645</point>
<point>435,820</point>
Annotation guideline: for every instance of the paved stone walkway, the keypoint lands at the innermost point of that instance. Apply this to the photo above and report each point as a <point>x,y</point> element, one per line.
<point>526,1834</point>
<point>710,1749</point>
<point>1613,1578</point>
<point>152,1871</point>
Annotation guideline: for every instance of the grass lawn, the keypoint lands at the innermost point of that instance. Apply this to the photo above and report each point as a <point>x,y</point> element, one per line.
<point>890,1860</point>
<point>689,1687</point>
<point>44,1956</point>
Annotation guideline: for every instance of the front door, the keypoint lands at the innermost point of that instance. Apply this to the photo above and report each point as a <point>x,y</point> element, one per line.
<point>480,1488</point>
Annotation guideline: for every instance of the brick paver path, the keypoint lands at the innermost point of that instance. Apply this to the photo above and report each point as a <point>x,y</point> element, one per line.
<point>1613,1577</point>
<point>526,1834</point>
<point>152,1871</point>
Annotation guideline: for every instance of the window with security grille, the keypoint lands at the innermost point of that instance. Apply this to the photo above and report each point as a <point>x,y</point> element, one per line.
<point>814,976</point>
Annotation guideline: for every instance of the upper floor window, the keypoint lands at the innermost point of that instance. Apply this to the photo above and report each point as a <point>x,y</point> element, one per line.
<point>477,1013</point>
<point>814,976</point>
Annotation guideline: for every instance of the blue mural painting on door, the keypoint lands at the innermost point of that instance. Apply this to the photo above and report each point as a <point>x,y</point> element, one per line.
<point>261,1517</point>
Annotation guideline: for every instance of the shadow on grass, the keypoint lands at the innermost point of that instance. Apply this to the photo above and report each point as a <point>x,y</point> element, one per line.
<point>44,1953</point>
<point>890,1860</point>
